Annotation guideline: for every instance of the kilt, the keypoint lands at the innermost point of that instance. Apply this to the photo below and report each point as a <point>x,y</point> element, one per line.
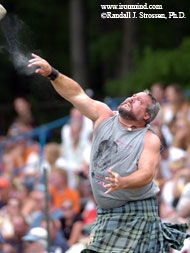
<point>134,228</point>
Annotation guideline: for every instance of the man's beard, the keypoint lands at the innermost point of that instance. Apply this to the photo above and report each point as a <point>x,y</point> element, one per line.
<point>126,114</point>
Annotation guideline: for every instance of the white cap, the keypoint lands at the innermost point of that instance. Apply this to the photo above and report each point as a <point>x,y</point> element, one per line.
<point>35,234</point>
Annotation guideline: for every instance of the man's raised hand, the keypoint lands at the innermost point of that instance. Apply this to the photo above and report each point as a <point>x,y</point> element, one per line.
<point>43,67</point>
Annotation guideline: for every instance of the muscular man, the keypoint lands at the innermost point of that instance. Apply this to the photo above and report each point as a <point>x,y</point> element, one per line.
<point>124,157</point>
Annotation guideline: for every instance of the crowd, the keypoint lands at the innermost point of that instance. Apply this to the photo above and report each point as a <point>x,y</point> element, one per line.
<point>71,206</point>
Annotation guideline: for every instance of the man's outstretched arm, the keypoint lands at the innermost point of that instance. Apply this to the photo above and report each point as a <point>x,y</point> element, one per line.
<point>71,91</point>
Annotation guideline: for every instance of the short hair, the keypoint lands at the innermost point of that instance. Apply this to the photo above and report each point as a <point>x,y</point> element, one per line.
<point>153,108</point>
<point>61,171</point>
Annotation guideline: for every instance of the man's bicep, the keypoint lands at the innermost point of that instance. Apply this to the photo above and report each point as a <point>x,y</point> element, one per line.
<point>150,156</point>
<point>91,108</point>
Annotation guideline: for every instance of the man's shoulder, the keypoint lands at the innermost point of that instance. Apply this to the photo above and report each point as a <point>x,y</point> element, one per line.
<point>102,118</point>
<point>152,140</point>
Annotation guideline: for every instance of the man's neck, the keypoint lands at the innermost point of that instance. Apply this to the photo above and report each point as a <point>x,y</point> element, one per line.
<point>130,124</point>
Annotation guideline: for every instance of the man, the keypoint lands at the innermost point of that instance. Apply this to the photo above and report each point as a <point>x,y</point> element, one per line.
<point>124,157</point>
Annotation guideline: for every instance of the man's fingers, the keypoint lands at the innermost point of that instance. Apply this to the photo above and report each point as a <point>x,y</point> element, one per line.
<point>36,56</point>
<point>110,179</point>
<point>107,185</point>
<point>38,70</point>
<point>34,62</point>
<point>113,181</point>
<point>108,191</point>
<point>111,172</point>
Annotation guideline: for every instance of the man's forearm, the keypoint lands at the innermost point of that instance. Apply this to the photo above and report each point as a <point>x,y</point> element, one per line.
<point>137,179</point>
<point>67,87</point>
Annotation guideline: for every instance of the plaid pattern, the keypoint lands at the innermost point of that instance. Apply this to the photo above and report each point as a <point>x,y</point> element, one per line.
<point>134,228</point>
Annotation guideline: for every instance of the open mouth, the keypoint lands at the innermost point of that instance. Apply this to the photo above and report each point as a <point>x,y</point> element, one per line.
<point>127,105</point>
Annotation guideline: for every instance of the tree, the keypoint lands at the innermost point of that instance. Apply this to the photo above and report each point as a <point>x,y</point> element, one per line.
<point>129,43</point>
<point>78,42</point>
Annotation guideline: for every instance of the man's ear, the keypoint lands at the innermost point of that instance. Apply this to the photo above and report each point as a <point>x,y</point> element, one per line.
<point>147,116</point>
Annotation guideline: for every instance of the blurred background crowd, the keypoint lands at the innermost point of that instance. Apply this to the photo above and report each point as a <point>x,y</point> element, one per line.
<point>71,206</point>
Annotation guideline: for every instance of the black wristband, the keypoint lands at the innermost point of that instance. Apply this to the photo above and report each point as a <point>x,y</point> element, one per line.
<point>54,74</point>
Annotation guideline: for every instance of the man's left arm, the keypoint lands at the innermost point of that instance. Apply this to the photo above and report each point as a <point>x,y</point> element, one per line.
<point>147,166</point>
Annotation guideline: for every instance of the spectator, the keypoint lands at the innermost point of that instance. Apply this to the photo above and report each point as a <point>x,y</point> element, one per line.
<point>172,189</point>
<point>13,207</point>
<point>52,152</point>
<point>22,192</point>
<point>72,152</point>
<point>181,137</point>
<point>71,222</point>
<point>60,190</point>
<point>177,106</point>
<point>35,240</point>
<point>6,226</point>
<point>23,110</point>
<point>183,206</point>
<point>57,240</point>
<point>5,188</point>
<point>7,248</point>
<point>89,213</point>
<point>38,215</point>
<point>158,91</point>
<point>20,227</point>
<point>86,125</point>
<point>9,165</point>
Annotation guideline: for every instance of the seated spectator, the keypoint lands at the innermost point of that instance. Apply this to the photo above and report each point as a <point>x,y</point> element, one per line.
<point>52,152</point>
<point>89,213</point>
<point>38,214</point>
<point>6,226</point>
<point>176,106</point>
<point>26,155</point>
<point>20,227</point>
<point>7,248</point>
<point>22,192</point>
<point>71,222</point>
<point>181,136</point>
<point>35,240</point>
<point>9,165</point>
<point>158,91</point>
<point>60,190</point>
<point>57,239</point>
<point>5,188</point>
<point>13,207</point>
<point>172,189</point>
<point>183,211</point>
<point>35,247</point>
<point>183,206</point>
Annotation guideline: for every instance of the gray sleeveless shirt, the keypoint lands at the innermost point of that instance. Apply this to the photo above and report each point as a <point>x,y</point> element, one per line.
<point>117,148</point>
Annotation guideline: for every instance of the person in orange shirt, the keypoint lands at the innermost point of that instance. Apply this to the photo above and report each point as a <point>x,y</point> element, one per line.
<point>60,190</point>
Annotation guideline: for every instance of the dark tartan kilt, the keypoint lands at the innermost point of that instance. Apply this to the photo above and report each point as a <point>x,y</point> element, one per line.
<point>134,228</point>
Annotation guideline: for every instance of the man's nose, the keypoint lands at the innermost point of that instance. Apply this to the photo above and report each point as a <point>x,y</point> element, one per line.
<point>131,99</point>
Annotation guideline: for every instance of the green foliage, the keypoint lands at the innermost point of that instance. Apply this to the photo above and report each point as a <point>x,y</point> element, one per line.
<point>105,47</point>
<point>155,66</point>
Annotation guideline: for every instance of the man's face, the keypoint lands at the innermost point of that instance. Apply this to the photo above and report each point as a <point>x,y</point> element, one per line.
<point>135,107</point>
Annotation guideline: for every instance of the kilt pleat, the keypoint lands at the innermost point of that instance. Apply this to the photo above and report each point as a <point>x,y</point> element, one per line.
<point>134,228</point>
